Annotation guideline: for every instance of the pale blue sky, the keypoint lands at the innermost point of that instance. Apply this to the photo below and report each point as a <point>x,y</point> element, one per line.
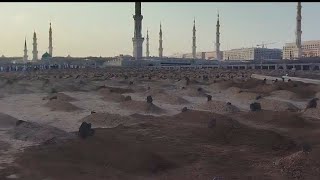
<point>106,29</point>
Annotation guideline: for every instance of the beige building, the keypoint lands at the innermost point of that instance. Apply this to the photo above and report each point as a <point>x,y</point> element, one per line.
<point>212,55</point>
<point>309,49</point>
<point>199,55</point>
<point>252,54</point>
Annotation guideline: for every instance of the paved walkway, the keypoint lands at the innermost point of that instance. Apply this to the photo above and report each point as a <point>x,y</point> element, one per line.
<point>286,78</point>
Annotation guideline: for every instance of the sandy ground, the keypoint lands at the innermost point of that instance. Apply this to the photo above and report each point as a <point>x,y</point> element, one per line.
<point>138,140</point>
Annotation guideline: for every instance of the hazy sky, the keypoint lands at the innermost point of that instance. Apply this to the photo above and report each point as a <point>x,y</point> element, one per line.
<point>106,29</point>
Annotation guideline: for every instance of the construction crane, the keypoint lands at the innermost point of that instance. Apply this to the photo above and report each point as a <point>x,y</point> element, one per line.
<point>263,44</point>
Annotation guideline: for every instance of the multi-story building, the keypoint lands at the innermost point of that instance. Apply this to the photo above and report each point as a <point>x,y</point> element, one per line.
<point>252,54</point>
<point>212,55</point>
<point>309,49</point>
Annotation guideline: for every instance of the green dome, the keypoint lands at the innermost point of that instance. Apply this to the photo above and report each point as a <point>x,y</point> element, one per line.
<point>46,55</point>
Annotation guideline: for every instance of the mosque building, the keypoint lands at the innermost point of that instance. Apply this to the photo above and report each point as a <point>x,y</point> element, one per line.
<point>45,56</point>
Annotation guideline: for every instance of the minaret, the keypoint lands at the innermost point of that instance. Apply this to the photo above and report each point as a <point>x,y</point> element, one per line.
<point>147,45</point>
<point>160,42</point>
<point>35,50</point>
<point>194,40</point>
<point>25,56</point>
<point>218,53</point>
<point>137,39</point>
<point>298,31</point>
<point>50,41</point>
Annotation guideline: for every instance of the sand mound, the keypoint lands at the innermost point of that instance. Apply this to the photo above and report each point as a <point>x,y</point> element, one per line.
<point>318,95</point>
<point>302,90</point>
<point>37,133</point>
<point>246,95</point>
<point>218,107</point>
<point>163,97</point>
<point>7,121</point>
<point>60,96</point>
<point>181,83</point>
<point>170,99</point>
<point>298,165</point>
<point>115,90</point>
<point>111,96</point>
<point>230,131</point>
<point>139,89</point>
<point>113,153</point>
<point>194,81</point>
<point>193,92</point>
<point>220,85</point>
<point>265,89</point>
<point>312,112</point>
<point>284,94</point>
<point>168,86</point>
<point>275,105</point>
<point>106,120</point>
<point>154,91</point>
<point>232,90</point>
<point>126,81</point>
<point>249,84</point>
<point>4,146</point>
<point>58,105</point>
<point>141,107</point>
<point>281,119</point>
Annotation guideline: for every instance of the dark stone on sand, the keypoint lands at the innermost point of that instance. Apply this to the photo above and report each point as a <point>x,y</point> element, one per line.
<point>255,106</point>
<point>92,112</point>
<point>199,89</point>
<point>312,103</point>
<point>127,98</point>
<point>53,97</point>
<point>149,99</point>
<point>264,80</point>
<point>53,90</point>
<point>258,97</point>
<point>229,103</point>
<point>306,147</point>
<point>85,130</point>
<point>205,78</point>
<point>187,81</point>
<point>184,109</point>
<point>19,122</point>
<point>209,97</point>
